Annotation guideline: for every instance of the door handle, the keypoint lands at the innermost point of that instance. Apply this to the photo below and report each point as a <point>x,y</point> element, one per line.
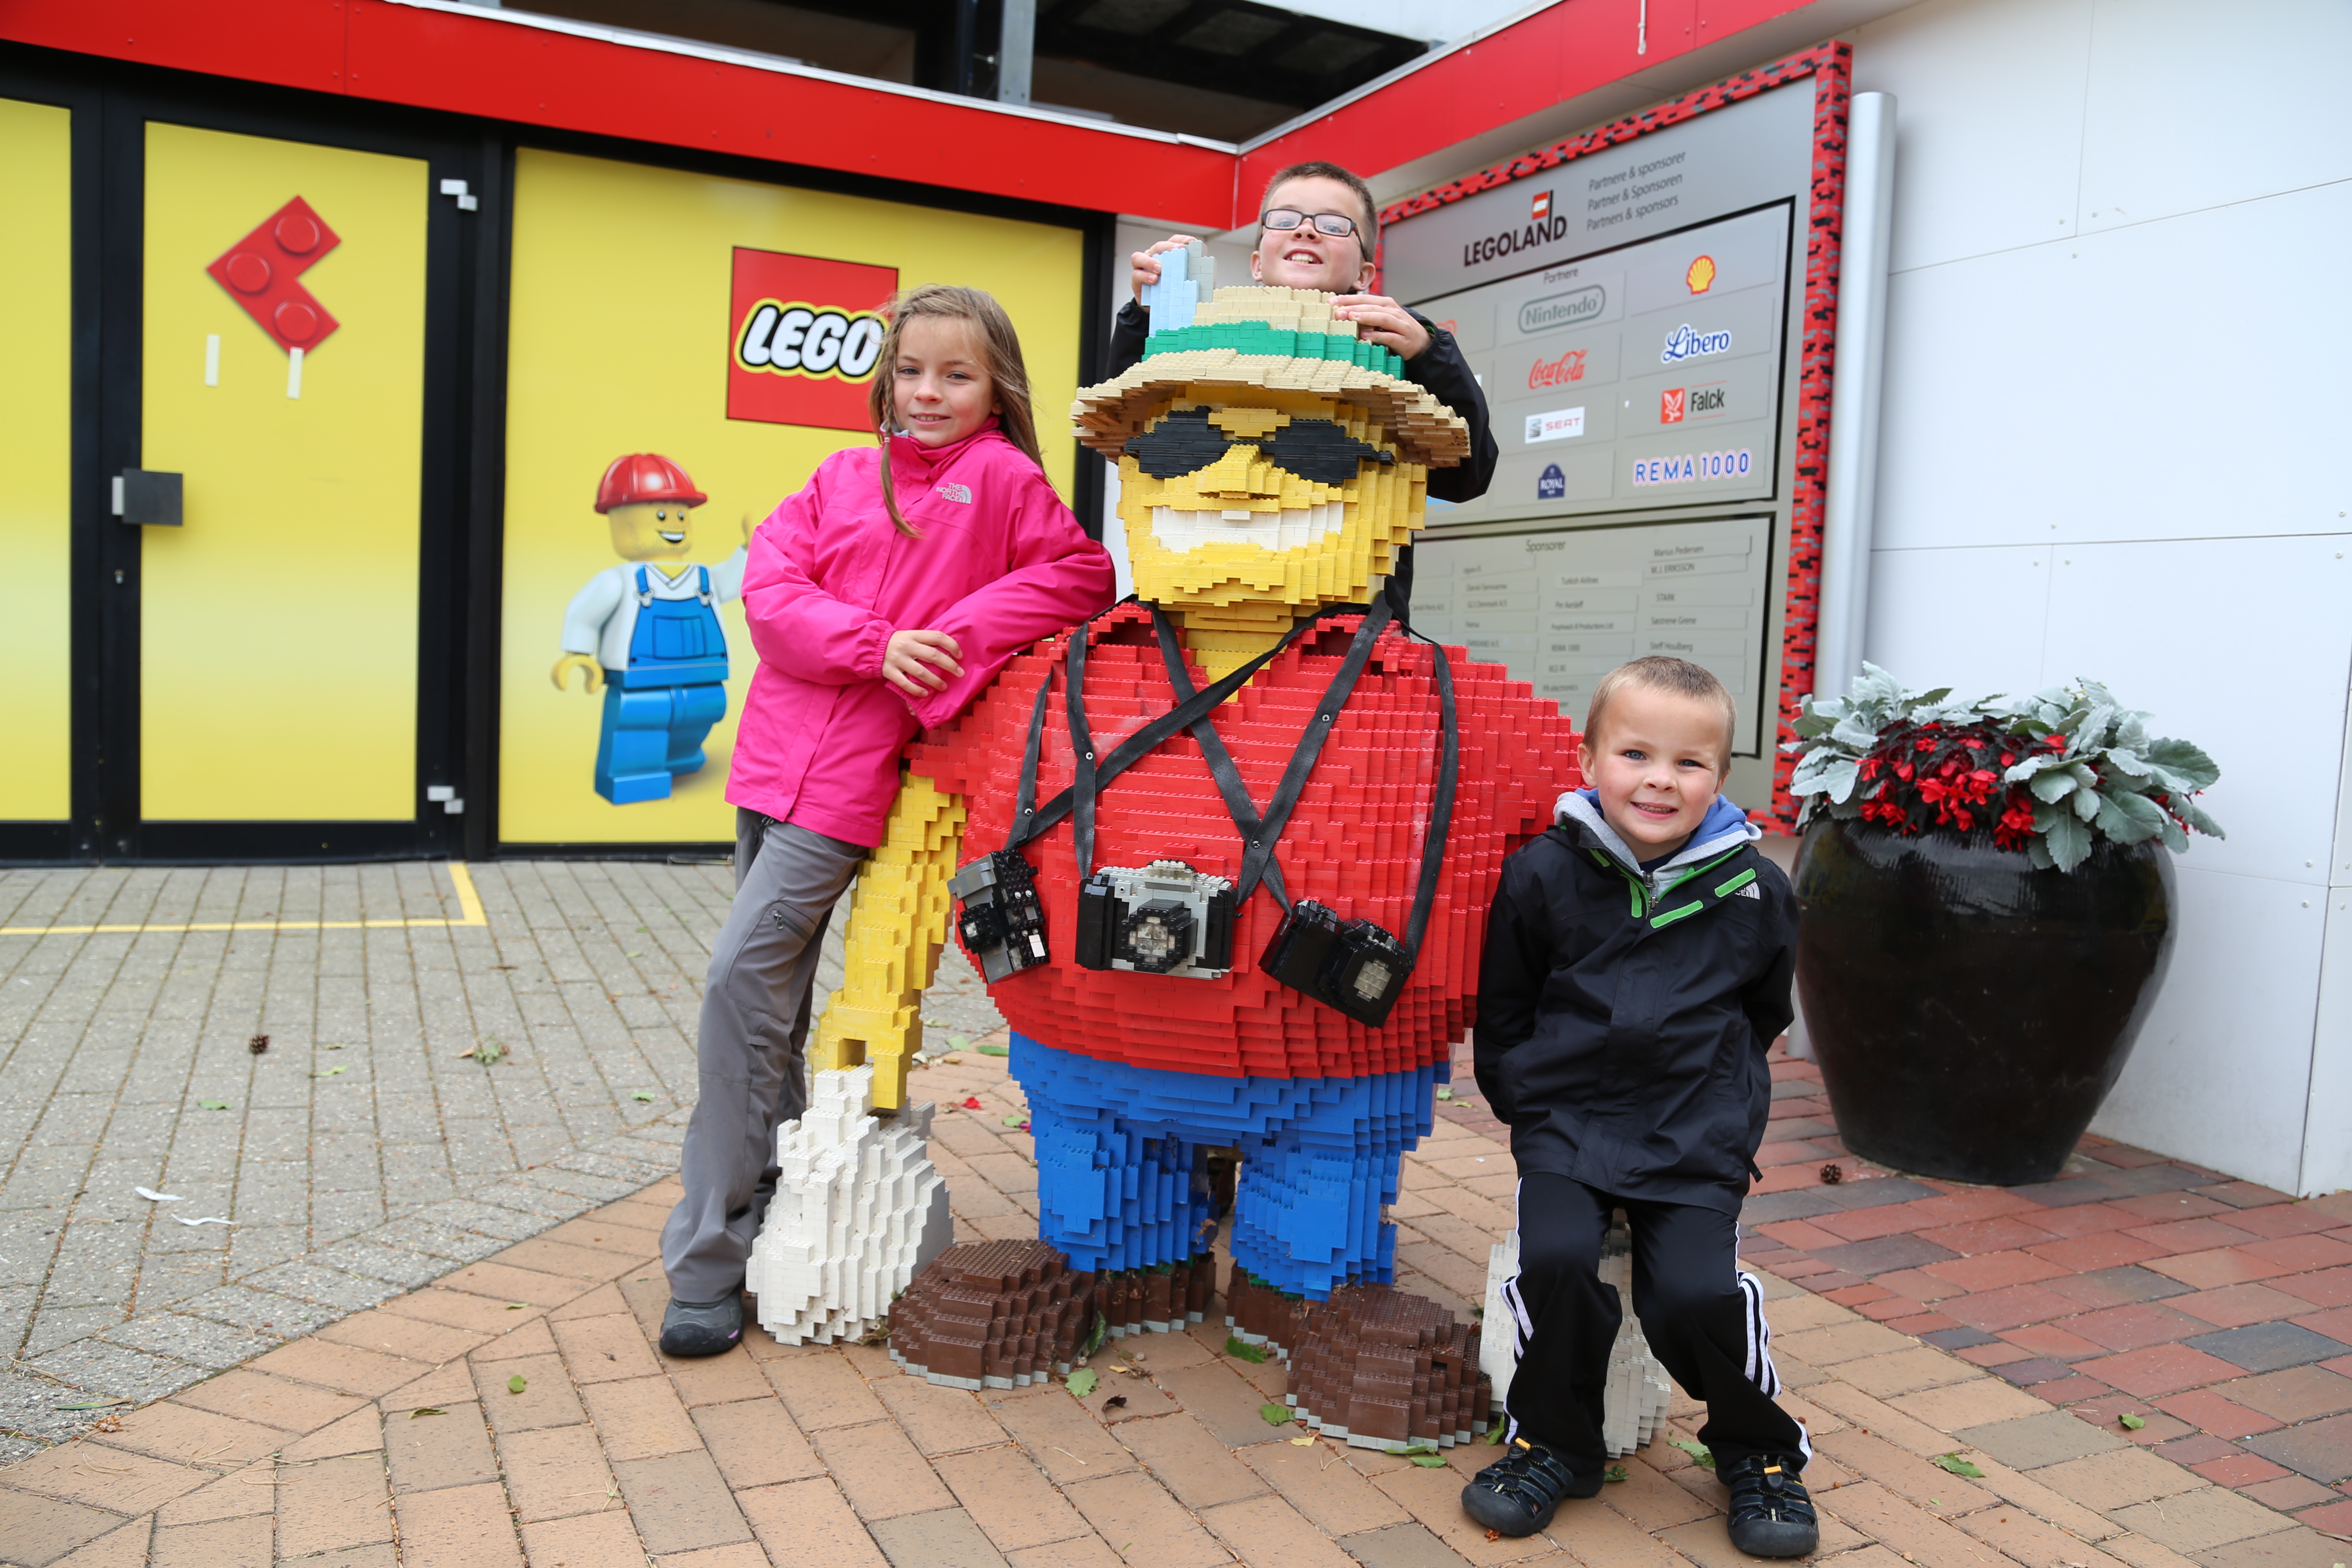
<point>147,495</point>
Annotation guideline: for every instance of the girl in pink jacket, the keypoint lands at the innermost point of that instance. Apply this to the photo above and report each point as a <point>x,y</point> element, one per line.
<point>881,599</point>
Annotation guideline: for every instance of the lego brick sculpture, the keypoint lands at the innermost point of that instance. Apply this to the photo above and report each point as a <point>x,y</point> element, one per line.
<point>1373,1365</point>
<point>993,1314</point>
<point>857,1211</point>
<point>1638,1391</point>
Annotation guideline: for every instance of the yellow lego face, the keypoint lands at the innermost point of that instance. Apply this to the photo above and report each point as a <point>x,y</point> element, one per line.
<point>651,531</point>
<point>1290,499</point>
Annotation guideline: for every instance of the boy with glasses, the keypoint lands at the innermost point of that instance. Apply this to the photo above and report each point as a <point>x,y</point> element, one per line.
<point>1318,228</point>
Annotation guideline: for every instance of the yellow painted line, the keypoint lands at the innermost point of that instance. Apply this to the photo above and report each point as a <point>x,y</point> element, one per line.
<point>468,899</point>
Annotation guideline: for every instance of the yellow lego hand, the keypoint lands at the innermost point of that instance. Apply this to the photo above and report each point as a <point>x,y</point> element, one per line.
<point>582,662</point>
<point>897,922</point>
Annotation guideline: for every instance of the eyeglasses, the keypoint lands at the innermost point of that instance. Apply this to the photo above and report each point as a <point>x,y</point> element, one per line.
<point>1282,220</point>
<point>1317,449</point>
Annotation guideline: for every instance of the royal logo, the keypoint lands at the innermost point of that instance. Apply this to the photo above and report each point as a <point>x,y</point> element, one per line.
<point>1684,342</point>
<point>1540,208</point>
<point>806,335</point>
<point>1555,310</point>
<point>1670,406</point>
<point>1551,485</point>
<point>1567,367</point>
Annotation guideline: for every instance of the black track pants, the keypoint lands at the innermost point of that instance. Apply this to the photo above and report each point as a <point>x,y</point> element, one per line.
<point>1704,1318</point>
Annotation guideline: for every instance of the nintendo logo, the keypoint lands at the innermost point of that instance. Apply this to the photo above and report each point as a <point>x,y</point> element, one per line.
<point>1556,311</point>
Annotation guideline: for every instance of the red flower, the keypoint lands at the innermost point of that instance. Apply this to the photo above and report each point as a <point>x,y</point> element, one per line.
<point>1922,745</point>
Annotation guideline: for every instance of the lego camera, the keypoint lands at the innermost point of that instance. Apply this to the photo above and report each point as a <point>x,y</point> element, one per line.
<point>1166,919</point>
<point>1002,924</point>
<point>1353,965</point>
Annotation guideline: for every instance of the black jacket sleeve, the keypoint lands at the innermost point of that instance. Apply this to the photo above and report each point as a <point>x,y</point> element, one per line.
<point>1444,375</point>
<point>1511,975</point>
<point>1766,1001</point>
<point>1127,331</point>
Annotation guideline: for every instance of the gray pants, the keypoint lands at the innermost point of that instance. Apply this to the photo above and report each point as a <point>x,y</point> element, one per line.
<point>754,1029</point>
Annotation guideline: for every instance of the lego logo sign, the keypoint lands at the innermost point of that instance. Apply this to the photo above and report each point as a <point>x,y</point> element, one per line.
<point>804,336</point>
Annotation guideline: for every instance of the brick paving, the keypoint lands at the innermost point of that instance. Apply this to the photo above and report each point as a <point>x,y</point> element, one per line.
<point>514,1411</point>
<point>363,1152</point>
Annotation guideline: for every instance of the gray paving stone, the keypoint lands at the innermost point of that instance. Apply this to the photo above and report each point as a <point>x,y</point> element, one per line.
<point>199,1341</point>
<point>329,1285</point>
<point>96,1366</point>
<point>369,1260</point>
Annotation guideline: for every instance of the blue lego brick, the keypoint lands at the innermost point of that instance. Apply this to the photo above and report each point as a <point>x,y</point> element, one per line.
<point>1117,1162</point>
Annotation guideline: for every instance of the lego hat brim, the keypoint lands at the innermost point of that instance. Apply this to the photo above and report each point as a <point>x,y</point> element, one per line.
<point>1425,430</point>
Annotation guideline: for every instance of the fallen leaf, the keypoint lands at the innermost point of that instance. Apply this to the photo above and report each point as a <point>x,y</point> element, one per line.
<point>958,1042</point>
<point>953,1059</point>
<point>1697,1451</point>
<point>1241,1349</point>
<point>520,1306</point>
<point>329,1072</point>
<point>1302,1442</point>
<point>1014,1121</point>
<point>2132,1423</point>
<point>426,1410</point>
<point>633,955</point>
<point>1615,1473</point>
<point>1494,1534</point>
<point>1959,1466</point>
<point>639,1094</point>
<point>335,1048</point>
<point>996,1051</point>
<point>1116,1402</point>
<point>1273,1415</point>
<point>1082,1381</point>
<point>516,1384</point>
<point>211,1105</point>
<point>89,1404</point>
<point>1429,1461</point>
<point>1494,1433</point>
<point>1445,1092</point>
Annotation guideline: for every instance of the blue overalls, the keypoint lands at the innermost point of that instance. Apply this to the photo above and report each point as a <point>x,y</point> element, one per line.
<point>657,711</point>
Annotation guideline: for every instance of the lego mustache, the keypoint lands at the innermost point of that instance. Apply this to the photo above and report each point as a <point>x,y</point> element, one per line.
<point>1183,530</point>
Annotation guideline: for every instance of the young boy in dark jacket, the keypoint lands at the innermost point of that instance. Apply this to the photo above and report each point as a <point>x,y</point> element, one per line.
<point>1318,228</point>
<point>1637,968</point>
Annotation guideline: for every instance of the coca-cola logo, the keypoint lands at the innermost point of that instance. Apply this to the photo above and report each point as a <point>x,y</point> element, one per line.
<point>1567,367</point>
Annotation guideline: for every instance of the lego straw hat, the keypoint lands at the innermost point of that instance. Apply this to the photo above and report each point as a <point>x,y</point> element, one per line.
<point>1282,340</point>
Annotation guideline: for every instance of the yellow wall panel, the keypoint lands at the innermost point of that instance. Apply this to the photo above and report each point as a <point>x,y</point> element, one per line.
<point>36,456</point>
<point>618,342</point>
<point>278,626</point>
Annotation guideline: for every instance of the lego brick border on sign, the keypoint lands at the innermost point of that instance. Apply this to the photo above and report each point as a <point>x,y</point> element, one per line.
<point>1830,66</point>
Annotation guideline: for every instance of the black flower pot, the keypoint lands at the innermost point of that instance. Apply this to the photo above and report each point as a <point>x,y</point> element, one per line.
<point>1969,1012</point>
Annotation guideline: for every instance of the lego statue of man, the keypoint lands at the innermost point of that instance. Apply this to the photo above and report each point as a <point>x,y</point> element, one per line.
<point>647,632</point>
<point>1244,908</point>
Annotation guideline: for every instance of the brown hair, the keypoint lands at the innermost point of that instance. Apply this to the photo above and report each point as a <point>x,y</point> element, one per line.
<point>1369,236</point>
<point>1677,677</point>
<point>999,351</point>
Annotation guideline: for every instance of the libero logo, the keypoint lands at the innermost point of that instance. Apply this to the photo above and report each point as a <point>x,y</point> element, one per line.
<point>1684,344</point>
<point>1555,310</point>
<point>805,335</point>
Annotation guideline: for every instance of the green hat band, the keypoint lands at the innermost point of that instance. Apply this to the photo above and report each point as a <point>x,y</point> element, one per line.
<point>1259,339</point>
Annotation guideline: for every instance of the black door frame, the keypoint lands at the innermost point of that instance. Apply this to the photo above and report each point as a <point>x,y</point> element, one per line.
<point>463,492</point>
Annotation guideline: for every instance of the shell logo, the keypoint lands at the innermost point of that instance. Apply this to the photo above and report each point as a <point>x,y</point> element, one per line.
<point>1701,276</point>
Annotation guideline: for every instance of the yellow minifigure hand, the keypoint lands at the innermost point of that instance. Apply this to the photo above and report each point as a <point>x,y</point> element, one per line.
<point>897,922</point>
<point>582,662</point>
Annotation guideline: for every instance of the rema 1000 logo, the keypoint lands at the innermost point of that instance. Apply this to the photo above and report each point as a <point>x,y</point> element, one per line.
<point>806,333</point>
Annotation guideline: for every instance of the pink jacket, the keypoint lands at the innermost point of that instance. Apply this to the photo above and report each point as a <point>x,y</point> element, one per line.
<point>1001,563</point>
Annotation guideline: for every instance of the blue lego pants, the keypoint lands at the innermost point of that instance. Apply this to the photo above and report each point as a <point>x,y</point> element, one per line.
<point>651,734</point>
<point>1117,1146</point>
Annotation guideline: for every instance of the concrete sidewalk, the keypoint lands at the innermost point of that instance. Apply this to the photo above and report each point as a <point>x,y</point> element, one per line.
<point>515,1412</point>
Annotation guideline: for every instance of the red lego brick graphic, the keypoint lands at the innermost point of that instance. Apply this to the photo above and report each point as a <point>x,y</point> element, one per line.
<point>263,273</point>
<point>1353,844</point>
<point>803,335</point>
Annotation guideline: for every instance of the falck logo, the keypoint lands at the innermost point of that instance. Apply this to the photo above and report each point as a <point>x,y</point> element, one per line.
<point>805,338</point>
<point>1670,406</point>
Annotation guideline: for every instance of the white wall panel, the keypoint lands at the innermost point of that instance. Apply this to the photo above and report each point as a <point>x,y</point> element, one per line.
<point>2154,382</point>
<point>2192,105</point>
<point>2327,1127</point>
<point>2222,1070</point>
<point>2241,646</point>
<point>1971,619</point>
<point>1991,125</point>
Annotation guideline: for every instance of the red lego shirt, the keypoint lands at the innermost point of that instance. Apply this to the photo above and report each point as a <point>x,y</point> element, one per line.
<point>1352,844</point>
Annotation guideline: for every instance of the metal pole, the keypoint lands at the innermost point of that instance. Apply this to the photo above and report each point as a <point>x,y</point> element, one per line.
<point>1856,384</point>
<point>1016,47</point>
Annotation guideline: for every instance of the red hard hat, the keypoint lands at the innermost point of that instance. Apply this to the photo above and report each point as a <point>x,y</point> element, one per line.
<point>645,475</point>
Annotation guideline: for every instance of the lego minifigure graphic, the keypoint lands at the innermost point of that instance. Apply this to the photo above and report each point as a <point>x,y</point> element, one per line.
<point>1246,919</point>
<point>647,633</point>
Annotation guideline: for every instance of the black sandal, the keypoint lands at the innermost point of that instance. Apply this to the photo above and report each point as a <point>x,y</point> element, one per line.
<point>1518,1493</point>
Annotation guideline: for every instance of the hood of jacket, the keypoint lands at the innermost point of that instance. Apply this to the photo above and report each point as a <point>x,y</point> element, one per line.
<point>1724,828</point>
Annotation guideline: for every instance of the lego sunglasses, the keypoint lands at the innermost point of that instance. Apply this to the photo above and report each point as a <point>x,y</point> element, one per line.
<point>1314,449</point>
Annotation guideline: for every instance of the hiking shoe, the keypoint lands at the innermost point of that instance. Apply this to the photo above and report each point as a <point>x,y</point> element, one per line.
<point>1771,1515</point>
<point>702,1328</point>
<point>1518,1493</point>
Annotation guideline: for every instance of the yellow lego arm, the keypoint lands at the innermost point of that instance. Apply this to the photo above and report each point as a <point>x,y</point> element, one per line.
<point>897,922</point>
